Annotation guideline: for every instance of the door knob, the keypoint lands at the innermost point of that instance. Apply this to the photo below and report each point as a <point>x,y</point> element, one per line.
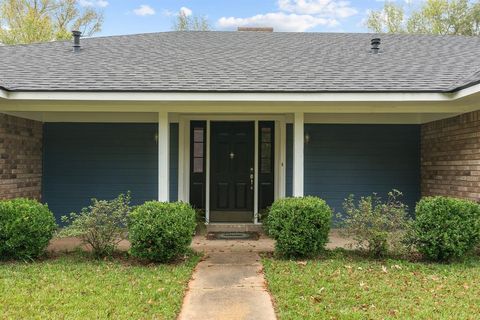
<point>232,155</point>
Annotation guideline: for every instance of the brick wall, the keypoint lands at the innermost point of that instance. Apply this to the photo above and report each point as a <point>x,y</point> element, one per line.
<point>20,157</point>
<point>451,157</point>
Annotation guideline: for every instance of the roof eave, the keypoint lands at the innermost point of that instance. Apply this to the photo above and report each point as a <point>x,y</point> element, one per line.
<point>466,86</point>
<point>3,93</point>
<point>466,90</point>
<point>229,96</point>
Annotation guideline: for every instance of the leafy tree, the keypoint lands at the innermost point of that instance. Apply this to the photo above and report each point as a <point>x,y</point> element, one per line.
<point>390,19</point>
<point>28,21</point>
<point>185,22</point>
<point>441,17</point>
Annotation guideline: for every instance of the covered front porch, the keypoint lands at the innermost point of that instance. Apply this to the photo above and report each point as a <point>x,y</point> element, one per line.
<point>230,158</point>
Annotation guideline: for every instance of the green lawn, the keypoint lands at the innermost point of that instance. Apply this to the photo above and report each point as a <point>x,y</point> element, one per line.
<point>345,286</point>
<point>77,287</point>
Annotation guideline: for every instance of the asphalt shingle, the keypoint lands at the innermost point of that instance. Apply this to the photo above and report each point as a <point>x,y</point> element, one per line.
<point>244,62</point>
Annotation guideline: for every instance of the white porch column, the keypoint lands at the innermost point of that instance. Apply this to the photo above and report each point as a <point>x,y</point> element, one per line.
<point>298,159</point>
<point>163,156</point>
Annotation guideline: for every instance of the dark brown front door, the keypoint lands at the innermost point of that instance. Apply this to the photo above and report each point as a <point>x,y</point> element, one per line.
<point>232,171</point>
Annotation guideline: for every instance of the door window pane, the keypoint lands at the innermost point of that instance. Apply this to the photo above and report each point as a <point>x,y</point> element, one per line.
<point>198,135</point>
<point>266,135</point>
<point>198,165</point>
<point>266,150</point>
<point>265,166</point>
<point>198,150</point>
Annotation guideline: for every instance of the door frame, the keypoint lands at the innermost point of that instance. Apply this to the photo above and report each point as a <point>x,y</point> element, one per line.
<point>184,155</point>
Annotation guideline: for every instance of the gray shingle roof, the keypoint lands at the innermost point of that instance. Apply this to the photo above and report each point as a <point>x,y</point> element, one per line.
<point>244,62</point>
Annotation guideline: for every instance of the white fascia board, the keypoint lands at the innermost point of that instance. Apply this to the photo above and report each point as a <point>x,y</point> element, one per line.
<point>466,92</point>
<point>3,94</point>
<point>231,97</point>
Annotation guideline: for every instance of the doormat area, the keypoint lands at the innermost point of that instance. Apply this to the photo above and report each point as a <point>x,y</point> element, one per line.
<point>233,236</point>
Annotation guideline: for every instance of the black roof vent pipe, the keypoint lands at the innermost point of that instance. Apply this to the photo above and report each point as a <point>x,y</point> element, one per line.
<point>76,40</point>
<point>375,45</point>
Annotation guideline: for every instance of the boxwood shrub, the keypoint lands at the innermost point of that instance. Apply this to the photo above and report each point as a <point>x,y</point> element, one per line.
<point>26,228</point>
<point>300,226</point>
<point>445,228</point>
<point>161,231</point>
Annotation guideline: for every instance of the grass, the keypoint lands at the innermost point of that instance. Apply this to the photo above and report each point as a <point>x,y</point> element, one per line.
<point>345,286</point>
<point>74,286</point>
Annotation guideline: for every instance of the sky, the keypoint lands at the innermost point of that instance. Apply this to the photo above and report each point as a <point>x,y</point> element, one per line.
<point>139,16</point>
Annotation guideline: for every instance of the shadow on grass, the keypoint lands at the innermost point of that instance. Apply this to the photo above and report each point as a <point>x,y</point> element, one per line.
<point>79,255</point>
<point>470,260</point>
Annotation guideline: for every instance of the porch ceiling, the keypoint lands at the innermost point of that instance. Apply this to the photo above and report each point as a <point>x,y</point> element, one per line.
<point>152,117</point>
<point>329,108</point>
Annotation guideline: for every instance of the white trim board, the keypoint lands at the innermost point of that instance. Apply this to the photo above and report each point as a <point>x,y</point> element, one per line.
<point>207,172</point>
<point>255,170</point>
<point>232,96</point>
<point>163,142</point>
<point>3,94</point>
<point>238,108</point>
<point>238,96</point>
<point>152,117</point>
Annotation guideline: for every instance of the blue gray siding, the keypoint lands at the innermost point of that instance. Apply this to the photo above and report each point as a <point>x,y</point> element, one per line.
<point>361,159</point>
<point>173,162</point>
<point>86,160</point>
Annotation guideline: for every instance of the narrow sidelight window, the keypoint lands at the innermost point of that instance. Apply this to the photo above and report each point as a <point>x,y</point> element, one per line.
<point>198,141</point>
<point>266,152</point>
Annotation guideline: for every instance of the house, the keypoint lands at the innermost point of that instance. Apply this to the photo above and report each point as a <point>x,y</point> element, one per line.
<point>230,121</point>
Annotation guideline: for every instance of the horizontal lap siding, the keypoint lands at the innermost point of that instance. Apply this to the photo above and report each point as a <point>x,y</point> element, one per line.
<point>362,159</point>
<point>84,161</point>
<point>173,188</point>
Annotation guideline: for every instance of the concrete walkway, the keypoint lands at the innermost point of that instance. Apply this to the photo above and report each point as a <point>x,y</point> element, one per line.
<point>228,285</point>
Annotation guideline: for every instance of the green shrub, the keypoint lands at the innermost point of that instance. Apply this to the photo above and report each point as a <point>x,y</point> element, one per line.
<point>26,228</point>
<point>161,231</point>
<point>375,226</point>
<point>300,226</point>
<point>445,228</point>
<point>263,219</point>
<point>201,228</point>
<point>102,225</point>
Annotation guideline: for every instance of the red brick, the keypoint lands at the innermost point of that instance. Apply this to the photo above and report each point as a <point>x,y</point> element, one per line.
<point>451,157</point>
<point>21,158</point>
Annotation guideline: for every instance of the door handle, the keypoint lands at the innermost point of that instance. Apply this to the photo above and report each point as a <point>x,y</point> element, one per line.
<point>251,178</point>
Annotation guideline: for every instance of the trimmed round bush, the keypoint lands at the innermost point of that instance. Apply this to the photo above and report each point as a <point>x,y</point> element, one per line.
<point>26,228</point>
<point>161,231</point>
<point>300,226</point>
<point>445,228</point>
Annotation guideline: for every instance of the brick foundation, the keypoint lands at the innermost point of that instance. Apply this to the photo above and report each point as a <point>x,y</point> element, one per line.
<point>451,157</point>
<point>20,157</point>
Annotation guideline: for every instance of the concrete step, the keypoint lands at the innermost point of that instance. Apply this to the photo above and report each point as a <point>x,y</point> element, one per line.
<point>234,227</point>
